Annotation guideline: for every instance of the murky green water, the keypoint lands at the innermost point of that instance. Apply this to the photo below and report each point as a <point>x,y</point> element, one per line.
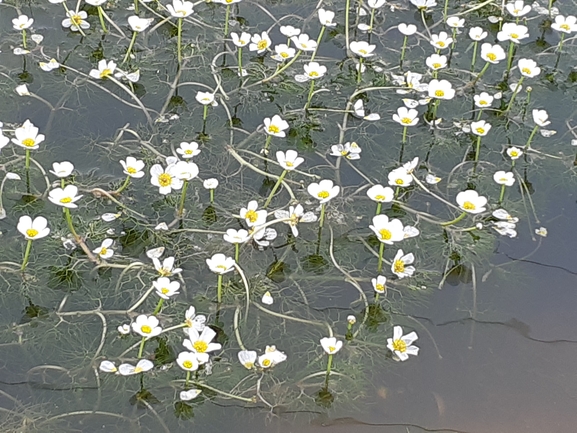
<point>494,315</point>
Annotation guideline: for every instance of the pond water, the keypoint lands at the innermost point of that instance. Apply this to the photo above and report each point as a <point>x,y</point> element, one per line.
<point>494,312</point>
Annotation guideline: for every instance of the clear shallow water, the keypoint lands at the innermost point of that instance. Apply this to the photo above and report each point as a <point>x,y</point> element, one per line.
<point>506,349</point>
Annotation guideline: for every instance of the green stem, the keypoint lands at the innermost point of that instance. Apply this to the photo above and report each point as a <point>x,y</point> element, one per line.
<point>141,348</point>
<point>236,251</point>
<point>267,143</point>
<point>381,251</point>
<point>403,49</point>
<point>26,255</point>
<point>226,20</point>
<point>130,46</point>
<point>211,192</point>
<point>182,199</point>
<point>474,55</point>
<point>274,189</point>
<point>158,307</point>
<point>510,57</point>
<point>240,61</point>
<point>359,72</point>
<point>445,10</point>
<point>435,106</point>
<point>179,40</point>
<point>482,72</point>
<point>187,379</point>
<point>310,94</point>
<point>279,71</point>
<point>502,195</point>
<point>455,221</point>
<point>347,7</point>
<point>321,33</point>
<point>478,149</point>
<point>27,166</point>
<point>69,221</point>
<point>329,365</point>
<point>514,94</point>
<point>123,187</point>
<point>219,288</point>
<point>379,205</point>
<point>558,49</point>
<point>528,144</point>
<point>24,38</point>
<point>404,134</point>
<point>376,296</point>
<point>136,6</point>
<point>101,17</point>
<point>205,113</point>
<point>322,217</point>
<point>372,20</point>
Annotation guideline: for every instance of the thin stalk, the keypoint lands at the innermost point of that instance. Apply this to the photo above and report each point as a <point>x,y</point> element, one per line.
<point>236,252</point>
<point>130,46</point>
<point>136,6</point>
<point>474,55</point>
<point>558,49</point>
<point>376,297</point>
<point>404,135</point>
<point>211,192</point>
<point>26,255</point>
<point>278,71</point>
<point>226,20</point>
<point>179,40</point>
<point>27,166</point>
<point>321,33</point>
<point>187,379</point>
<point>240,61</point>
<point>123,187</point>
<point>101,17</point>
<point>267,144</point>
<point>373,10</point>
<point>403,49</point>
<point>274,189</point>
<point>381,251</point>
<point>347,7</point>
<point>312,87</point>
<point>455,221</point>
<point>517,87</point>
<point>24,38</point>
<point>482,72</point>
<point>329,365</point>
<point>158,307</point>
<point>510,57</point>
<point>205,113</point>
<point>435,106</point>
<point>379,205</point>
<point>360,71</point>
<point>322,217</point>
<point>219,288</point>
<point>69,221</point>
<point>478,148</point>
<point>445,10</point>
<point>141,348</point>
<point>528,144</point>
<point>182,199</point>
<point>502,195</point>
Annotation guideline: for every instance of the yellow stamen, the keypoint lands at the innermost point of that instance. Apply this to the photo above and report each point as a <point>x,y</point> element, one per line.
<point>187,364</point>
<point>145,329</point>
<point>399,266</point>
<point>439,93</point>
<point>323,194</point>
<point>385,234</point>
<point>165,179</point>
<point>469,206</point>
<point>200,346</point>
<point>399,346</point>
<point>28,142</point>
<point>251,215</point>
<point>32,233</point>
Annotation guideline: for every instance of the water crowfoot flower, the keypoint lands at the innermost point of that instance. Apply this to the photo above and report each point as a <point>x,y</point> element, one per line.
<point>179,9</point>
<point>142,366</point>
<point>104,250</point>
<point>313,71</point>
<point>470,202</point>
<point>247,358</point>
<point>323,191</point>
<point>527,68</point>
<point>379,285</point>
<point>21,24</point>
<point>165,289</point>
<point>296,215</point>
<point>503,178</point>
<point>137,25</point>
<point>399,266</point>
<point>363,50</point>
<point>32,230</point>
<point>274,127</point>
<point>260,43</point>
<point>289,161</point>
<point>105,70</point>
<point>201,343</point>
<point>381,195</point>
<point>331,346</point>
<point>67,198</point>
<point>62,169</point>
<point>76,21</point>
<point>351,151</point>
<point>406,117</point>
<point>165,179</point>
<point>220,265</point>
<point>252,216</point>
<point>541,119</point>
<point>402,345</point>
<point>210,184</point>
<point>388,232</point>
<point>189,394</point>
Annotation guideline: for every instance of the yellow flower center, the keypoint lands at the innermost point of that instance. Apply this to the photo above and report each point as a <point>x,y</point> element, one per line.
<point>565,27</point>
<point>105,73</point>
<point>323,194</point>
<point>187,364</point>
<point>385,234</point>
<point>188,152</point>
<point>274,129</point>
<point>441,44</point>
<point>164,290</point>
<point>103,251</point>
<point>266,362</point>
<point>526,71</point>
<point>514,35</point>
<point>399,346</point>
<point>32,233</point>
<point>137,369</point>
<point>131,170</point>
<point>436,65</point>
<point>492,56</point>
<point>344,152</point>
<point>145,329</point>
<point>514,153</point>
<point>483,102</point>
<point>469,206</point>
<point>406,120</point>
<point>76,20</point>
<point>251,216</point>
<point>399,266</point>
<point>332,349</point>
<point>200,346</point>
<point>503,179</point>
<point>65,200</point>
<point>165,179</point>
<point>379,197</point>
<point>28,142</point>
<point>289,164</point>
<point>380,288</point>
<point>363,51</point>
<point>284,54</point>
<point>249,364</point>
<point>480,130</point>
<point>313,74</point>
<point>439,93</point>
<point>399,182</point>
<point>262,44</point>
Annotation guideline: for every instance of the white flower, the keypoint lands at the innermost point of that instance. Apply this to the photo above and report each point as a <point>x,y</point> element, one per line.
<point>247,358</point>
<point>431,179</point>
<point>37,38</point>
<point>348,150</point>
<point>20,51</point>
<point>406,117</point>
<point>107,367</point>
<point>362,49</point>
<point>441,41</point>
<point>242,40</point>
<point>188,150</point>
<point>220,264</point>
<point>22,22</point>
<point>62,169</point>
<point>541,118</point>
<point>387,231</point>
<point>351,320</point>
<point>296,215</point>
<point>201,343</point>
<point>436,62</point>
<point>323,191</point>
<point>138,24</point>
<point>76,21</point>
<point>166,288</point>
<point>518,8</point>
<point>146,326</point>
<point>376,4</point>
<point>424,4</point>
<point>400,177</point>
<point>211,183</point>
<point>283,52</point>
<point>260,43</point>
<point>381,194</point>
<point>502,214</point>
<point>289,31</point>
<point>506,178</point>
<point>236,236</point>
<point>271,357</point>
<point>206,98</point>
<point>187,361</point>
<point>528,68</point>
<point>192,320</point>
<point>304,43</point>
<point>477,33</point>
<point>123,329</point>
<point>180,9</point>
<point>505,228</point>
<point>142,366</point>
<point>379,284</point>
<point>470,201</point>
<point>267,299</point>
<point>133,167</point>
<point>401,345</point>
<point>165,179</point>
<point>513,32</point>
<point>492,53</point>
<point>411,232</point>
<point>360,111</point>
<point>441,89</point>
<point>252,216</point>
<point>65,197</point>
<point>455,22</point>
<point>407,29</point>
<point>105,69</point>
<point>331,345</point>
<point>399,266</point>
<point>96,2</point>
<point>480,128</point>
<point>263,236</point>
<point>289,160</point>
<point>326,18</point>
<point>166,268</point>
<point>514,153</point>
<point>275,126</point>
<point>27,136</point>
<point>104,250</point>
<point>33,230</point>
<point>483,100</point>
<point>541,231</point>
<point>314,70</point>
<point>185,170</point>
<point>189,394</point>
<point>49,66</point>
<point>565,25</point>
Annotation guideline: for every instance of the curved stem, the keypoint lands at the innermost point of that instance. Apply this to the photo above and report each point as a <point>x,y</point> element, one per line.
<point>26,255</point>
<point>226,20</point>
<point>274,189</point>
<point>158,307</point>
<point>279,71</point>
<point>528,144</point>
<point>130,46</point>
<point>311,89</point>
<point>69,221</point>
<point>123,187</point>
<point>514,94</point>
<point>455,221</point>
<point>100,16</point>
<point>482,72</point>
<point>321,33</point>
<point>141,348</point>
